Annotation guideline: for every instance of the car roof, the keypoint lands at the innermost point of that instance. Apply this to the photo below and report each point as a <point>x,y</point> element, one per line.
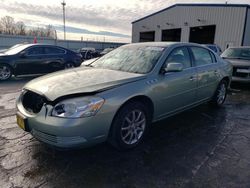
<point>210,44</point>
<point>162,44</point>
<point>40,44</point>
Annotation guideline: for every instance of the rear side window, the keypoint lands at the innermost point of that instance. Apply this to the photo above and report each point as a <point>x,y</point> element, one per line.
<point>201,56</point>
<point>180,55</point>
<point>53,50</point>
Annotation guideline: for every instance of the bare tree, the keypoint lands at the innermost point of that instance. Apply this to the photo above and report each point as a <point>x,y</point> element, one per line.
<point>1,29</point>
<point>34,32</point>
<point>20,28</point>
<point>8,25</point>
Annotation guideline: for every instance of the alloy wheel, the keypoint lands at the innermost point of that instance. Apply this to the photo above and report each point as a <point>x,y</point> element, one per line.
<point>221,93</point>
<point>133,127</point>
<point>5,72</point>
<point>68,66</point>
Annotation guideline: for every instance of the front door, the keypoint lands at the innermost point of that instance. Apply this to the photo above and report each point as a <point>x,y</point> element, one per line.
<point>32,62</point>
<point>176,90</point>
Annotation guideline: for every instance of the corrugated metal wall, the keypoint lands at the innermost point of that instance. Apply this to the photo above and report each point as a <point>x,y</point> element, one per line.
<point>247,30</point>
<point>229,23</point>
<point>7,41</point>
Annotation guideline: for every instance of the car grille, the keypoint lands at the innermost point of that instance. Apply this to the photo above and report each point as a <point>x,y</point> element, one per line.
<point>32,102</point>
<point>241,74</point>
<point>49,138</point>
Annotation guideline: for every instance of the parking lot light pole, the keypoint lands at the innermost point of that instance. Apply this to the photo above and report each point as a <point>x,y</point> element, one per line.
<point>64,4</point>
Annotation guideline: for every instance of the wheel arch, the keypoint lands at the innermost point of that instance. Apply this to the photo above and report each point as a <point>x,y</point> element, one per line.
<point>145,100</point>
<point>10,66</point>
<point>139,98</point>
<point>227,79</point>
<point>6,64</point>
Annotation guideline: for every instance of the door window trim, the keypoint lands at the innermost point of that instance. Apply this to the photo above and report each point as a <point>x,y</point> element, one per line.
<point>44,54</point>
<point>27,49</point>
<point>193,58</point>
<point>55,53</point>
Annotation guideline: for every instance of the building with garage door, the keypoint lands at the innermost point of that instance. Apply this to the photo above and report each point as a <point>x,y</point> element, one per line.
<point>221,24</point>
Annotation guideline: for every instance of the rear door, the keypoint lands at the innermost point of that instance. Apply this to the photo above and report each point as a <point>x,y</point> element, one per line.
<point>176,90</point>
<point>55,58</point>
<point>207,71</point>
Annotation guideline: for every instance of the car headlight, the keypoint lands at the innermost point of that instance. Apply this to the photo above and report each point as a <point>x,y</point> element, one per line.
<point>78,107</point>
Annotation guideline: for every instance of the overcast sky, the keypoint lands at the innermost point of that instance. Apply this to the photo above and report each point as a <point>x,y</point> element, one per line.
<point>108,20</point>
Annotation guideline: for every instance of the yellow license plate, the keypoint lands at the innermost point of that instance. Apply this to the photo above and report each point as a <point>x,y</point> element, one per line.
<point>20,121</point>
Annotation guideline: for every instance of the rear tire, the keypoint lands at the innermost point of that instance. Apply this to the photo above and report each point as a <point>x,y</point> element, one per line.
<point>5,72</point>
<point>130,126</point>
<point>220,94</point>
<point>69,65</point>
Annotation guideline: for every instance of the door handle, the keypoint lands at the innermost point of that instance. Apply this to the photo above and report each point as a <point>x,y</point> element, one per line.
<point>192,78</point>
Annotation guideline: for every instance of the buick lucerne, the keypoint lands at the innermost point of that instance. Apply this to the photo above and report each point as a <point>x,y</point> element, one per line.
<point>118,96</point>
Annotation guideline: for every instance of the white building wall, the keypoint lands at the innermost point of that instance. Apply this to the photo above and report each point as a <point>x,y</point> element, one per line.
<point>229,23</point>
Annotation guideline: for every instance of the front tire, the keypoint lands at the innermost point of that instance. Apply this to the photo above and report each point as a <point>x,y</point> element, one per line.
<point>220,94</point>
<point>5,72</point>
<point>130,126</point>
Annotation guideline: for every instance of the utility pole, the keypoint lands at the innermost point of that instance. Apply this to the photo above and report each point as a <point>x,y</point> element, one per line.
<point>64,4</point>
<point>55,37</point>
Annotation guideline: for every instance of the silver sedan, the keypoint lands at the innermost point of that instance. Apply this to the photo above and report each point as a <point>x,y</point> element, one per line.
<point>118,96</point>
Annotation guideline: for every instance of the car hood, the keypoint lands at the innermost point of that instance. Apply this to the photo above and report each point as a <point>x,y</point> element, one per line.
<point>239,62</point>
<point>3,55</point>
<point>79,81</point>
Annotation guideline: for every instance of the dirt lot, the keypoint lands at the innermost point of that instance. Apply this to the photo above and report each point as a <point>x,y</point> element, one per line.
<point>203,147</point>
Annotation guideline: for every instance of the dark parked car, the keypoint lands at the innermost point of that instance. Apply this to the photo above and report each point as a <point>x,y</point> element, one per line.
<point>36,59</point>
<point>239,57</point>
<point>106,50</point>
<point>88,53</point>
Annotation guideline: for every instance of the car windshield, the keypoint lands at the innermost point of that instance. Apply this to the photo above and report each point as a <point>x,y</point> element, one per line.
<point>133,58</point>
<point>237,53</point>
<point>15,50</point>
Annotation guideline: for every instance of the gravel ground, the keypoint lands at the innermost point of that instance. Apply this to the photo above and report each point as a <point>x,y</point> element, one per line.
<point>203,147</point>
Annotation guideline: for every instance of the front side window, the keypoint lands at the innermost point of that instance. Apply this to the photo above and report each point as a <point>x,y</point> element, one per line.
<point>35,51</point>
<point>201,56</point>
<point>180,55</point>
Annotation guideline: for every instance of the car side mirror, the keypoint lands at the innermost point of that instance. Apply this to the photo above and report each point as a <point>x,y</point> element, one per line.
<point>22,54</point>
<point>173,67</point>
